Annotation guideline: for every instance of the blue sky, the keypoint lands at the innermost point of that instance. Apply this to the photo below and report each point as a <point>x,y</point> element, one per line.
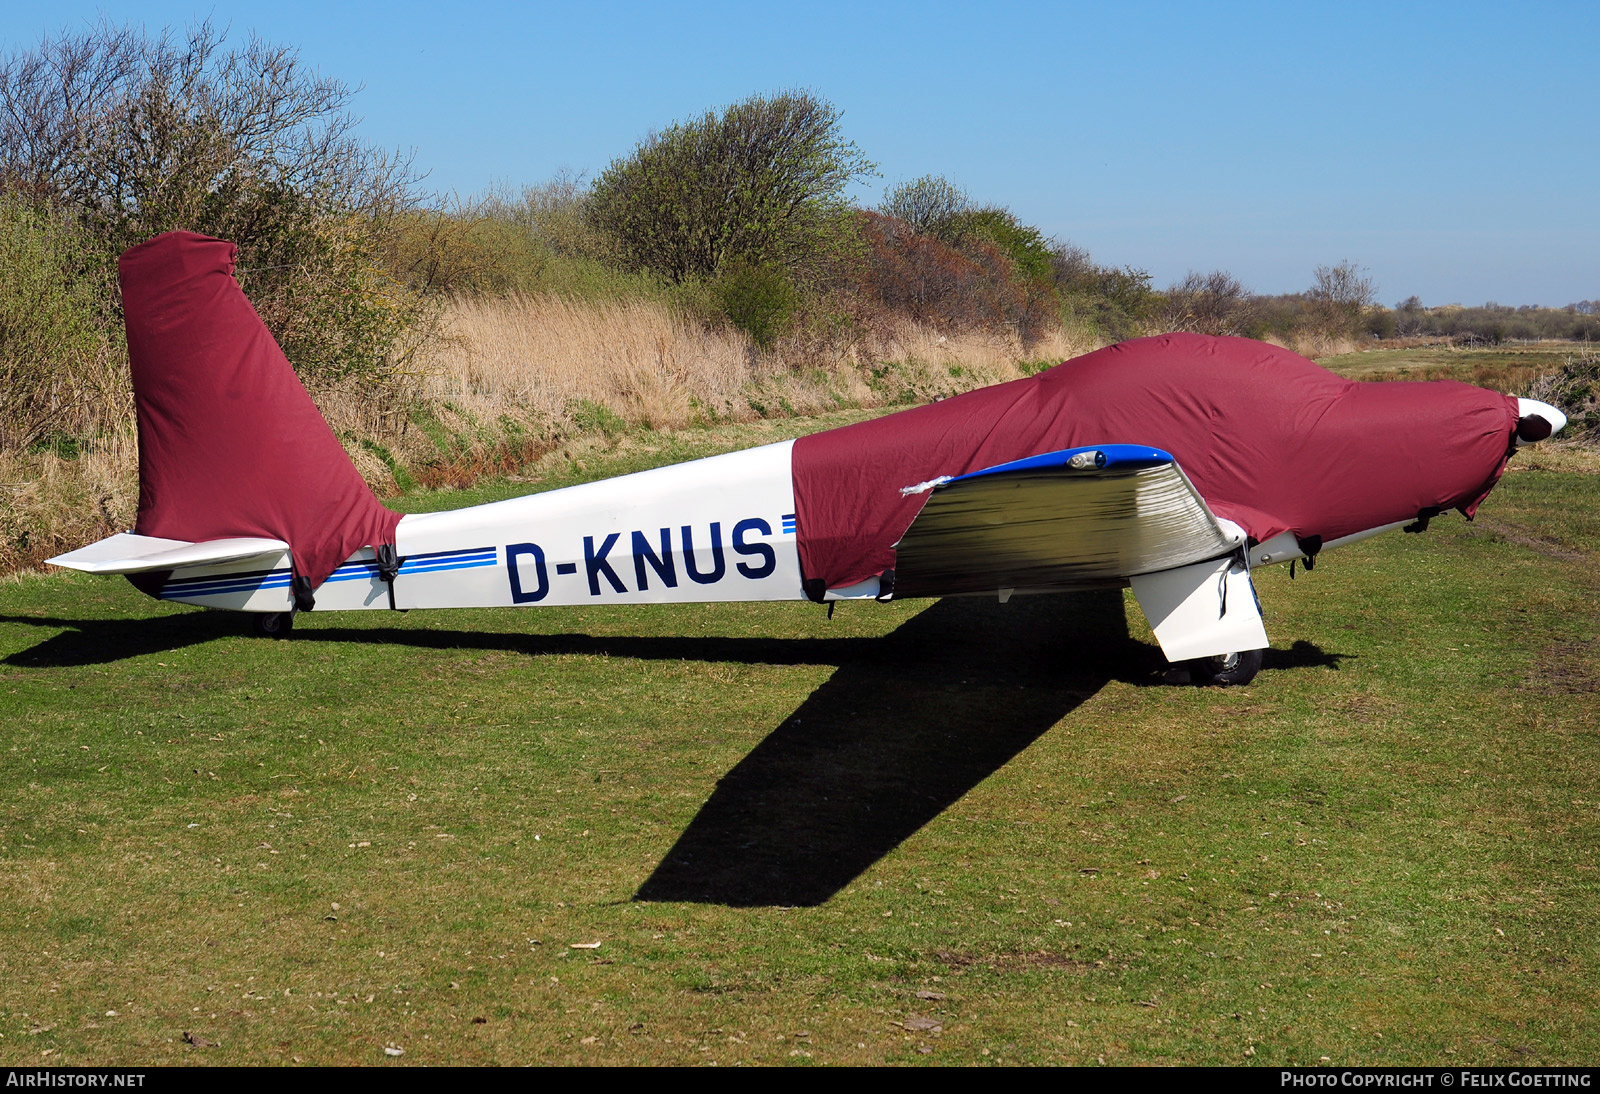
<point>1449,148</point>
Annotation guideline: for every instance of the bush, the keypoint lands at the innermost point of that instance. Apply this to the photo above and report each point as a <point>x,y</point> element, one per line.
<point>967,288</point>
<point>1006,278</point>
<point>763,183</point>
<point>1214,303</point>
<point>526,243</point>
<point>131,135</point>
<point>1022,243</point>
<point>759,300</point>
<point>56,339</point>
<point>1339,298</point>
<point>1575,391</point>
<point>934,206</point>
<point>1119,303</point>
<point>1495,323</point>
<point>553,213</point>
<point>930,205</point>
<point>460,252</point>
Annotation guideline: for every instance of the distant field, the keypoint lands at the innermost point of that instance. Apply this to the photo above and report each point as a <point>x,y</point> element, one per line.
<point>1509,368</point>
<point>953,832</point>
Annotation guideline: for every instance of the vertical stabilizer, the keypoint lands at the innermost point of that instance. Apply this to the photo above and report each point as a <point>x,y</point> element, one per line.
<point>230,444</point>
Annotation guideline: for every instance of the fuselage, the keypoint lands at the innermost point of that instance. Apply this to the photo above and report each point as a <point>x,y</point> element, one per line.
<point>715,529</point>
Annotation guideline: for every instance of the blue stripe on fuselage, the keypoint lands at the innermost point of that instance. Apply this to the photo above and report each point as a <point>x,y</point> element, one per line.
<point>250,581</point>
<point>220,584</point>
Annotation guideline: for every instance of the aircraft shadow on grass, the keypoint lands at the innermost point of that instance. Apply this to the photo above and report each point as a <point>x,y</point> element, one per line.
<point>899,733</point>
<point>909,723</point>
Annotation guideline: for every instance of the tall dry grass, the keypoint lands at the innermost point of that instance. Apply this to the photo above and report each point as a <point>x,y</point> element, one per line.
<point>541,359</point>
<point>532,358</point>
<point>1314,344</point>
<point>49,504</point>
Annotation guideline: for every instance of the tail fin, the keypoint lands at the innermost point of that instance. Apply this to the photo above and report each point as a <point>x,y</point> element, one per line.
<point>230,444</point>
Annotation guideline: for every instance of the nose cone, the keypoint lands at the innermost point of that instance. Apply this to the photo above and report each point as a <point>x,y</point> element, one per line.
<point>1537,420</point>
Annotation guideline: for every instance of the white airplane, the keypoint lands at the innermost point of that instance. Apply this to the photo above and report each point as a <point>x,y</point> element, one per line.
<point>1174,465</point>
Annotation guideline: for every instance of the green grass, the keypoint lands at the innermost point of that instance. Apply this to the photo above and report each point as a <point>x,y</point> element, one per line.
<point>793,837</point>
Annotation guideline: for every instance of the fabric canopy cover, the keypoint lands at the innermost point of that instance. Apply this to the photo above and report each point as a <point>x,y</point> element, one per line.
<point>230,444</point>
<point>1271,440</point>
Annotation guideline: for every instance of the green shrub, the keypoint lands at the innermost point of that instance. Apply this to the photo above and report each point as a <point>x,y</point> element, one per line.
<point>762,182</point>
<point>934,206</point>
<point>1022,243</point>
<point>760,300</point>
<point>970,287</point>
<point>1118,302</point>
<point>56,339</point>
<point>592,417</point>
<point>460,251</point>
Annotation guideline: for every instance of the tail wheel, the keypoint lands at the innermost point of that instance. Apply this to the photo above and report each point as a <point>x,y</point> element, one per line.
<point>1229,669</point>
<point>272,624</point>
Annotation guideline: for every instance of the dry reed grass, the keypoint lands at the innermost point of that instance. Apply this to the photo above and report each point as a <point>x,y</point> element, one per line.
<point>532,357</point>
<point>49,504</point>
<point>540,359</point>
<point>1314,344</point>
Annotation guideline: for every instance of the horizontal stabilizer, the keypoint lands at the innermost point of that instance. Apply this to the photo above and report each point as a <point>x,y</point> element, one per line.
<point>1205,610</point>
<point>127,553</point>
<point>1069,519</point>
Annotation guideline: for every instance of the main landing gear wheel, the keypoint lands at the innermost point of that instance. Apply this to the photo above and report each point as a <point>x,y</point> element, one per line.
<point>272,624</point>
<point>1229,669</point>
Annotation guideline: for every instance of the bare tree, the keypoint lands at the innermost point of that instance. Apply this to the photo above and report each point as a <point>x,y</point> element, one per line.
<point>1343,286</point>
<point>140,134</point>
<point>131,135</point>
<point>1409,316</point>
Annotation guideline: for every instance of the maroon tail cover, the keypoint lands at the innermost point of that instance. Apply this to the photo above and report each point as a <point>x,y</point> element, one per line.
<point>1271,440</point>
<point>230,444</point>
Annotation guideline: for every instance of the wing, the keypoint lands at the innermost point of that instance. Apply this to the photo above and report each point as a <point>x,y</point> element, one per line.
<point>1078,518</point>
<point>1090,517</point>
<point>127,553</point>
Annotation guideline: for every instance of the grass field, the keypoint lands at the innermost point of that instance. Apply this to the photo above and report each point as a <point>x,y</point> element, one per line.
<point>1511,367</point>
<point>953,832</point>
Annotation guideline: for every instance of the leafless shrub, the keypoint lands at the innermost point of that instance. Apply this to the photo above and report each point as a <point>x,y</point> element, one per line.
<point>1575,389</point>
<point>1343,286</point>
<point>1211,303</point>
<point>931,205</point>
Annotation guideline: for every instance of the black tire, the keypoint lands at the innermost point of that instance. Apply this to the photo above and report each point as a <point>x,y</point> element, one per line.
<point>1229,670</point>
<point>272,624</point>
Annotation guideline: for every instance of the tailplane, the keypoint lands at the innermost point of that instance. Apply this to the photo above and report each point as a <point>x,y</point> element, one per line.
<point>127,553</point>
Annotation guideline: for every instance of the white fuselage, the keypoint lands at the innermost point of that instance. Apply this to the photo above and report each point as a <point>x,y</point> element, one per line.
<point>716,529</point>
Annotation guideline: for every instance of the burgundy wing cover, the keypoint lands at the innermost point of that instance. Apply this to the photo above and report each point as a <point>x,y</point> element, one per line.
<point>230,444</point>
<point>1271,440</point>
